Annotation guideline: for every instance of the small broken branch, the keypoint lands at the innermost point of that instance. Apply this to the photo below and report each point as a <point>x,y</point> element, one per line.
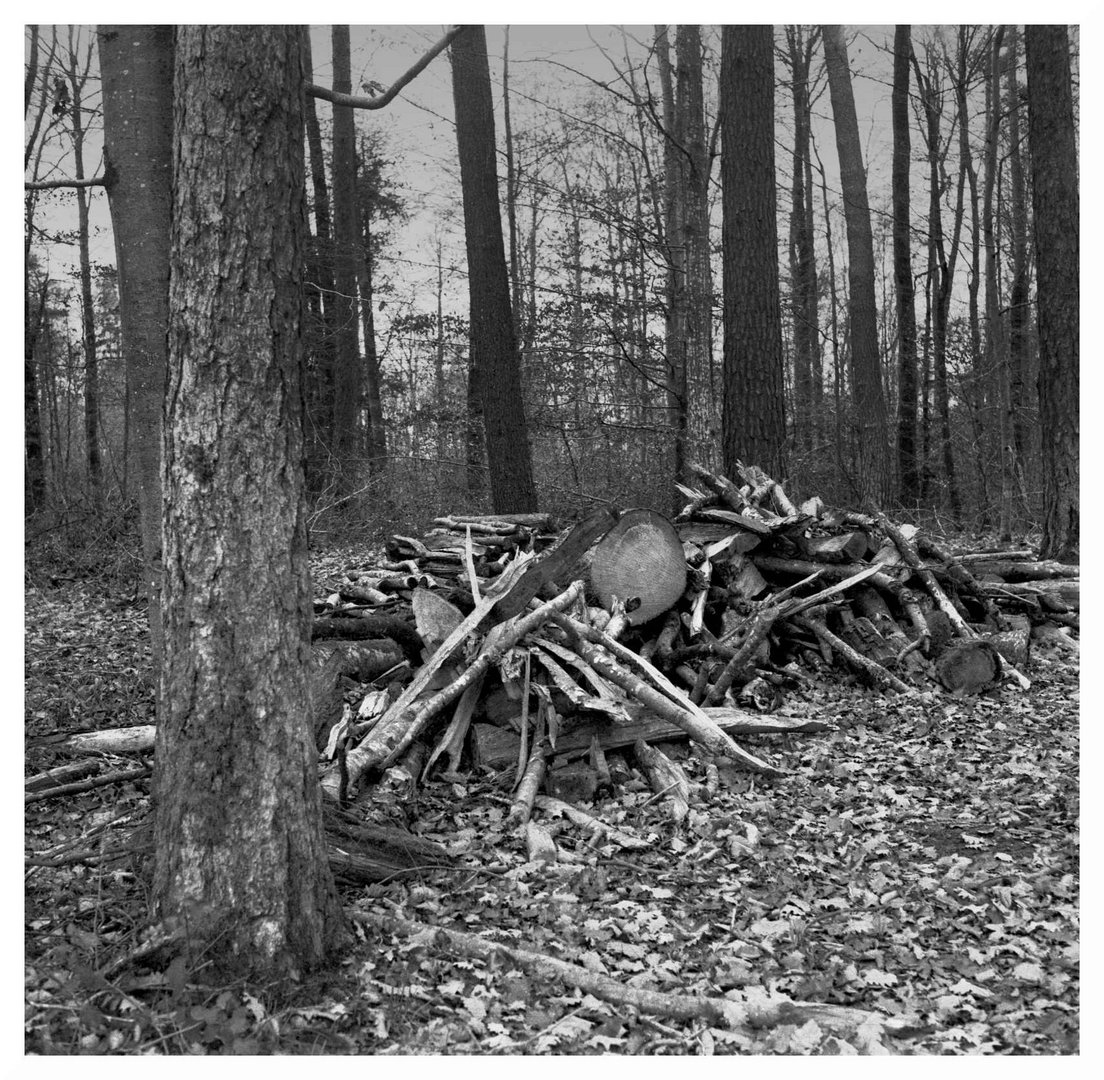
<point>378,102</point>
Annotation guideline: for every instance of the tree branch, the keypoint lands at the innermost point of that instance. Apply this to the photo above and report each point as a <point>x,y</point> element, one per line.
<point>392,91</point>
<point>45,185</point>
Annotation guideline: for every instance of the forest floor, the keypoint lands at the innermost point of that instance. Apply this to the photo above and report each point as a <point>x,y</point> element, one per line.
<point>921,861</point>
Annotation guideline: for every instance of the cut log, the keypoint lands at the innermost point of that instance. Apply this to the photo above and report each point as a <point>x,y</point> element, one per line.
<point>559,563</point>
<point>130,740</point>
<point>360,626</point>
<point>640,557</point>
<point>844,547</point>
<point>666,777</point>
<point>497,748</point>
<point>1013,645</point>
<point>969,666</point>
<point>1022,569</point>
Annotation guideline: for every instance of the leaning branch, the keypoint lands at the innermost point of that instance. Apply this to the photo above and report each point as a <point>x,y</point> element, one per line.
<point>392,91</point>
<point>46,185</point>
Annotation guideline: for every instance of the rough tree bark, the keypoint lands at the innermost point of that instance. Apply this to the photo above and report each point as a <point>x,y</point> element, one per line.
<point>1055,202</point>
<point>754,420</point>
<point>136,63</point>
<point>902,273</point>
<point>346,243</point>
<point>240,853</point>
<point>808,376</point>
<point>867,395</point>
<point>319,290</point>
<point>495,361</point>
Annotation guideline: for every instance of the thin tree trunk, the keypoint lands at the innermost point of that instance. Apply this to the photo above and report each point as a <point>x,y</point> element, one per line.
<point>694,224</point>
<point>240,852</point>
<point>319,297</point>
<point>347,367</point>
<point>902,272</point>
<point>1019,342</point>
<point>34,315</point>
<point>996,360</point>
<point>511,189</point>
<point>492,328</point>
<point>77,81</point>
<point>868,399</point>
<point>802,256</point>
<point>941,268</point>
<point>1055,202</point>
<point>377,434</point>
<point>754,424</point>
<point>136,64</point>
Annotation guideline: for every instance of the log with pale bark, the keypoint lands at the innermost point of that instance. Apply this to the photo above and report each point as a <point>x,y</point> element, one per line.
<point>757,1013</point>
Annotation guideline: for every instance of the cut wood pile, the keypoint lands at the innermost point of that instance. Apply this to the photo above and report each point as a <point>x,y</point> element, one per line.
<point>562,658</point>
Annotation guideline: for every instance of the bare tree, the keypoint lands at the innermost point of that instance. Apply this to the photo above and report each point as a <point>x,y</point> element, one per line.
<point>868,398</point>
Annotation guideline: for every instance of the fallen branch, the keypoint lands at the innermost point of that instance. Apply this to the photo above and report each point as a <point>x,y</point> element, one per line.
<point>88,785</point>
<point>767,1012</point>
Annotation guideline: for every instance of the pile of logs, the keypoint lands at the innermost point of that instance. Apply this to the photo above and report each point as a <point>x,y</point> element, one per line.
<point>499,642</point>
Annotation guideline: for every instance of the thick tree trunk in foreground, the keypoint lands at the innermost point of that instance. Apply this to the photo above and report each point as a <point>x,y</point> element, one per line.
<point>240,849</point>
<point>868,399</point>
<point>136,63</point>
<point>754,419</point>
<point>495,361</point>
<point>1055,202</point>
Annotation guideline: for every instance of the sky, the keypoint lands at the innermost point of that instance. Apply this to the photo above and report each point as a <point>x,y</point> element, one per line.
<point>419,129</point>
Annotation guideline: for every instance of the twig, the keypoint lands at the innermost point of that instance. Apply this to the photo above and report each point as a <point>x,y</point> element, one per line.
<point>89,785</point>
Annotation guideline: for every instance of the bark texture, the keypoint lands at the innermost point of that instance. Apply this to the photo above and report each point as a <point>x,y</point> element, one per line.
<point>240,848</point>
<point>1055,202</point>
<point>136,63</point>
<point>496,366</point>
<point>754,420</point>
<point>868,398</point>
<point>347,381</point>
<point>902,272</point>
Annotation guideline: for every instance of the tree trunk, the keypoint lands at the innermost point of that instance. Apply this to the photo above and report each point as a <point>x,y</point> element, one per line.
<point>940,265</point>
<point>868,398</point>
<point>136,63</point>
<point>1019,301</point>
<point>754,423</point>
<point>1055,202</point>
<point>802,256</point>
<point>902,273</point>
<point>346,242</point>
<point>240,852</point>
<point>34,316</point>
<point>319,287</point>
<point>77,81</point>
<point>493,344</point>
<point>512,185</point>
<point>694,223</point>
<point>996,360</point>
<point>377,434</point>
<point>674,292</point>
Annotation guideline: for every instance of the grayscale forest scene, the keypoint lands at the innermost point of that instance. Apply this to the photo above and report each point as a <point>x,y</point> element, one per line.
<point>551,540</point>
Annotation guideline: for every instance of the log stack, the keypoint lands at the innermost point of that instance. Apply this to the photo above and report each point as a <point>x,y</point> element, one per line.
<point>554,653</point>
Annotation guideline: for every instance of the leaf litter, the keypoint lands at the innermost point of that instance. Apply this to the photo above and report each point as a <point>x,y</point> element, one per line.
<point>921,861</point>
